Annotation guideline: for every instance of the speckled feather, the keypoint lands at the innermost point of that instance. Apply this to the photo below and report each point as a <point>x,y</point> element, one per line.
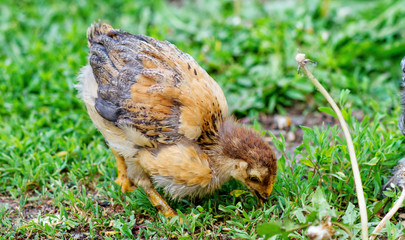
<point>154,87</point>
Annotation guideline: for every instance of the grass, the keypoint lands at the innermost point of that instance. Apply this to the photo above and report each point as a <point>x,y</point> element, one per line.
<point>56,172</point>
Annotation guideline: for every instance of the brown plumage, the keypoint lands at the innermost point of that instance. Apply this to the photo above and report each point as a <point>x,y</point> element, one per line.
<point>166,120</point>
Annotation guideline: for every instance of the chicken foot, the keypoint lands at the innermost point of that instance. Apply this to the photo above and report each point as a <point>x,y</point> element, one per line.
<point>122,179</point>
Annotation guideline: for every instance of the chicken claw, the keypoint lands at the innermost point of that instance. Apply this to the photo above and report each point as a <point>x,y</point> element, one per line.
<point>125,183</point>
<point>122,179</point>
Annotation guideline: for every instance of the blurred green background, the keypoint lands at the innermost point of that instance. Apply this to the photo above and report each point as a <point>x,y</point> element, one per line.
<point>247,46</point>
<point>50,148</point>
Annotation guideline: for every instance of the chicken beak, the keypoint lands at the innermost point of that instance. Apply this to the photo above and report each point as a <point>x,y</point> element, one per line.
<point>264,196</point>
<point>269,190</point>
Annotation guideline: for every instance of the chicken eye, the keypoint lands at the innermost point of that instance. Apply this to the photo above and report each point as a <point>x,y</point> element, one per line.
<point>254,179</point>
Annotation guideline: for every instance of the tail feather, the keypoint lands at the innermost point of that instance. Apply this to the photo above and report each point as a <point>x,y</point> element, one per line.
<point>97,29</point>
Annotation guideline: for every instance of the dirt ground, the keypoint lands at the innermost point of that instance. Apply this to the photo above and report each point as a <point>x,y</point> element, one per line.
<point>289,126</point>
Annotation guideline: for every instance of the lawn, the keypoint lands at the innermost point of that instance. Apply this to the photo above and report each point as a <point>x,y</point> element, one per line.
<point>57,173</point>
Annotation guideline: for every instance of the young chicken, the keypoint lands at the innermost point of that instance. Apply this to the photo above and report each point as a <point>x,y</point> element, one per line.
<point>166,120</point>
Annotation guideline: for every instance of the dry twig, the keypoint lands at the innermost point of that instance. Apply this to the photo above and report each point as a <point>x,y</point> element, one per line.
<point>302,61</point>
<point>389,215</point>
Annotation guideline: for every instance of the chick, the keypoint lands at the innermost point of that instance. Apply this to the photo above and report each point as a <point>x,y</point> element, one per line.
<point>166,120</point>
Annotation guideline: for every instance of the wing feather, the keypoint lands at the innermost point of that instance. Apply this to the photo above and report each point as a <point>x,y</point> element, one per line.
<point>153,87</point>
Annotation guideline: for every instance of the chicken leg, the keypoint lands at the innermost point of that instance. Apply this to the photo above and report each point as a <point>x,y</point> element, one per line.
<point>126,185</point>
<point>122,179</point>
<point>159,202</point>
